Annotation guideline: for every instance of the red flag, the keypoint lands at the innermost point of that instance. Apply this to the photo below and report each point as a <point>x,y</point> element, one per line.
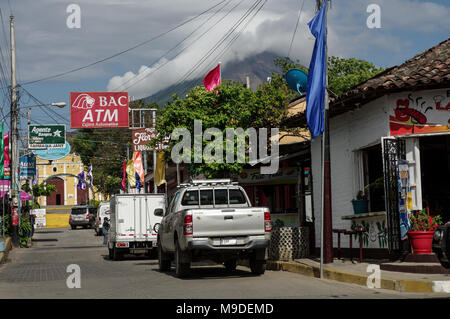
<point>212,78</point>
<point>124,167</point>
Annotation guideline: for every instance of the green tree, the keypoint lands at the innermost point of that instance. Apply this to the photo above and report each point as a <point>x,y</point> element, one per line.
<point>39,190</point>
<point>232,107</point>
<point>342,73</point>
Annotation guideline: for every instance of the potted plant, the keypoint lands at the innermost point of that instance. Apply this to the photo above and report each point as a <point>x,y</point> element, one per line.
<point>361,203</point>
<point>421,231</point>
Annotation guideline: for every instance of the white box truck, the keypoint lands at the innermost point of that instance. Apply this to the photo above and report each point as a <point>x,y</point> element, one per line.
<point>133,224</point>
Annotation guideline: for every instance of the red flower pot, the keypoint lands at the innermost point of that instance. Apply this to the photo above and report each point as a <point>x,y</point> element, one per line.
<point>421,241</point>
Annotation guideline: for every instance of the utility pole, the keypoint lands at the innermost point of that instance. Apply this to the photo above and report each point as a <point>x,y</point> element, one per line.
<point>14,142</point>
<point>155,188</point>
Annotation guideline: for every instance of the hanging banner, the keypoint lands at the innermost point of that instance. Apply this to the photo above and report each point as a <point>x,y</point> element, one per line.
<point>98,109</point>
<point>7,168</point>
<point>27,166</point>
<point>420,112</point>
<point>46,136</point>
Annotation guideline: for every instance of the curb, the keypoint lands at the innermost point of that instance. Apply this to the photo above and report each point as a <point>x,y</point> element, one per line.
<point>8,246</point>
<point>332,274</point>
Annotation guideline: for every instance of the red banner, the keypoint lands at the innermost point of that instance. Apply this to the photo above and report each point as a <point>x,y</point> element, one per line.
<point>98,109</point>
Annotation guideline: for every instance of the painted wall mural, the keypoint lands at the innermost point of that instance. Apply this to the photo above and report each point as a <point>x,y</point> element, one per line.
<point>375,237</point>
<point>421,112</point>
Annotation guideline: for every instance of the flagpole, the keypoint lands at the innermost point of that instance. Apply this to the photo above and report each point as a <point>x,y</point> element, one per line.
<point>326,247</point>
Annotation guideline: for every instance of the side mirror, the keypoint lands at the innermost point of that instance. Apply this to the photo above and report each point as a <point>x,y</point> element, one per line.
<point>158,212</point>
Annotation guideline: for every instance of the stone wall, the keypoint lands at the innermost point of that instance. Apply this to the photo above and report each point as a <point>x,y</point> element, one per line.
<point>289,243</point>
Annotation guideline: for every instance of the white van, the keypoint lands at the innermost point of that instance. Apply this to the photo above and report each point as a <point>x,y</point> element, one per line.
<point>103,211</point>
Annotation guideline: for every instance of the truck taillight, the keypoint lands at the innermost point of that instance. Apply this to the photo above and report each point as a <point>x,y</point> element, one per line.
<point>87,216</point>
<point>267,222</point>
<point>188,225</point>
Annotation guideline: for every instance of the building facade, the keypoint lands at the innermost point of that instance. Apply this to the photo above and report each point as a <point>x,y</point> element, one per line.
<point>62,174</point>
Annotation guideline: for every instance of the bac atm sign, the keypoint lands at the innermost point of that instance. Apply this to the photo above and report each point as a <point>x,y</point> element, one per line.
<point>98,109</point>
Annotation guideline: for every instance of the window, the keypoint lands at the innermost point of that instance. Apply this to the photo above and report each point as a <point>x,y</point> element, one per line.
<point>221,196</point>
<point>206,197</point>
<point>237,197</point>
<point>172,203</point>
<point>190,198</point>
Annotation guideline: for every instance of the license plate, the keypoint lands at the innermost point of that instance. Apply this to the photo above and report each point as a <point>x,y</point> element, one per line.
<point>228,241</point>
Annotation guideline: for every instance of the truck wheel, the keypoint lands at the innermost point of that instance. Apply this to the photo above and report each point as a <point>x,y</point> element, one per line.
<point>111,253</point>
<point>163,259</point>
<point>230,264</point>
<point>73,227</point>
<point>117,255</point>
<point>258,267</point>
<point>181,269</point>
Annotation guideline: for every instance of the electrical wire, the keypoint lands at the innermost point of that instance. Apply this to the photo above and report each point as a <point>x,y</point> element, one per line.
<point>124,51</point>
<point>296,26</point>
<point>184,49</point>
<point>220,42</point>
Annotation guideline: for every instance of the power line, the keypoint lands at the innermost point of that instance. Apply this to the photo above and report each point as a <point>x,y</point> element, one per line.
<point>124,51</point>
<point>296,26</point>
<point>165,54</point>
<point>219,43</point>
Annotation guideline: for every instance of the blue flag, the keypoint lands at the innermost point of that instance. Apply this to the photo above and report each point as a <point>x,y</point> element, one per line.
<point>315,92</point>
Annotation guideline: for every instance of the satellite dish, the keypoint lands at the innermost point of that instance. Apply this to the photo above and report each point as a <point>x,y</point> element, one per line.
<point>297,80</point>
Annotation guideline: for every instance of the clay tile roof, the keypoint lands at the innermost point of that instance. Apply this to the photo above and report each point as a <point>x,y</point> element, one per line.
<point>427,70</point>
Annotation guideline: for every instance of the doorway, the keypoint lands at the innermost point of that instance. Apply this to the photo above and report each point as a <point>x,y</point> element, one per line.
<point>56,198</point>
<point>435,174</point>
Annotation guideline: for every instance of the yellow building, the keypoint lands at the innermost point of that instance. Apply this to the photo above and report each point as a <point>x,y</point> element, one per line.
<point>61,173</point>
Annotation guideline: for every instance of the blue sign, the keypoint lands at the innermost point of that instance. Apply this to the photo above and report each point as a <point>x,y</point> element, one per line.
<point>53,153</point>
<point>27,166</point>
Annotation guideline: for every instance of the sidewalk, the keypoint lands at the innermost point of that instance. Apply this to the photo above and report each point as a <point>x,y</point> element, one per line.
<point>357,273</point>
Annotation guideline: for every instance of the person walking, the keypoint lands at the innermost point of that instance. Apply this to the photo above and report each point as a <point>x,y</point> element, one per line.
<point>105,229</point>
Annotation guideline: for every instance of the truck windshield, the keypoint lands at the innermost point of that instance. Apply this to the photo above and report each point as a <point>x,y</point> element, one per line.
<point>221,197</point>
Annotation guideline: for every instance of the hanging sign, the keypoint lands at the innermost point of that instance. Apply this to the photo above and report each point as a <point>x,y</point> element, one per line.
<point>27,165</point>
<point>46,136</point>
<point>98,109</point>
<point>53,153</point>
<point>143,136</point>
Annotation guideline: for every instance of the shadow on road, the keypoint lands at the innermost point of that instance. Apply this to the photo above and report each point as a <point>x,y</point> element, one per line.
<point>197,273</point>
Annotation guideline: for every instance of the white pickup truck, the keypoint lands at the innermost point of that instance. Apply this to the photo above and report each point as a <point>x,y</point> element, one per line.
<point>213,220</point>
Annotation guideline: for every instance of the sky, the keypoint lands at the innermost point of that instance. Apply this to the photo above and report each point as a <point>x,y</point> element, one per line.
<point>47,45</point>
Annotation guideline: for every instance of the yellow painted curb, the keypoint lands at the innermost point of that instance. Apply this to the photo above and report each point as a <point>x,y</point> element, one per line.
<point>57,220</point>
<point>332,274</point>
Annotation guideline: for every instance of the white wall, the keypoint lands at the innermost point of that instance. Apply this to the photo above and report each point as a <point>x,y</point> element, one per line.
<point>348,132</point>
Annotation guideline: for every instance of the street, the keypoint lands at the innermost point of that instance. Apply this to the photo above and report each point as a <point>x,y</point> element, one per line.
<point>41,272</point>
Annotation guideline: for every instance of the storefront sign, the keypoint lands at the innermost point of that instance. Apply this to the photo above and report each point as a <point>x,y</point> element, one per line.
<point>27,166</point>
<point>283,176</point>
<point>143,136</point>
<point>98,109</point>
<point>46,136</point>
<point>421,112</point>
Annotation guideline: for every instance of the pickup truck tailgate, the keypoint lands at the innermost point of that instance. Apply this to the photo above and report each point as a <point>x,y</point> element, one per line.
<point>228,222</point>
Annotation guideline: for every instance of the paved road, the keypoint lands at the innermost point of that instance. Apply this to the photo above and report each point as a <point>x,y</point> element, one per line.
<point>40,272</point>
